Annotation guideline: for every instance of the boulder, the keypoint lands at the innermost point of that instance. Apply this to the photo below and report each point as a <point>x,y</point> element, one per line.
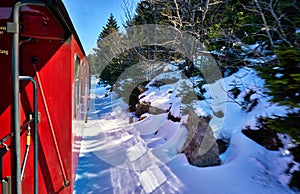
<point>142,108</point>
<point>141,88</point>
<point>264,137</point>
<point>173,118</point>
<point>200,147</point>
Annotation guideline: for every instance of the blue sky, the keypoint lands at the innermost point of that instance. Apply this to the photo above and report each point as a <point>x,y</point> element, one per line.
<point>90,16</point>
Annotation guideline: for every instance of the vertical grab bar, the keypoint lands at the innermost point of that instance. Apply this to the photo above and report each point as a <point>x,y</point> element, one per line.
<point>13,27</point>
<point>35,117</point>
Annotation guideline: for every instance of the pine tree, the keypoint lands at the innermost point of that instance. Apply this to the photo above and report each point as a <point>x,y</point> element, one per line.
<point>282,76</point>
<point>144,13</point>
<point>283,83</point>
<point>110,27</point>
<point>150,12</point>
<point>111,70</point>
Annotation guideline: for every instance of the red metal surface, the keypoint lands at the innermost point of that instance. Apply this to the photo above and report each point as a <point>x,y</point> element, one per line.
<point>38,23</point>
<point>5,90</point>
<point>43,40</point>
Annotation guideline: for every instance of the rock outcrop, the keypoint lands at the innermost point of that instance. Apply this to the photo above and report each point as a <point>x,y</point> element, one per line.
<point>200,147</point>
<point>142,108</point>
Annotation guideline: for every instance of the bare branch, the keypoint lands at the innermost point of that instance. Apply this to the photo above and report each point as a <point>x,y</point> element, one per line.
<point>281,34</point>
<point>266,26</point>
<point>178,15</point>
<point>128,9</point>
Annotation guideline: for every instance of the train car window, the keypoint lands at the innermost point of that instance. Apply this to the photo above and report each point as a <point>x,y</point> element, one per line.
<point>77,85</point>
<point>83,80</point>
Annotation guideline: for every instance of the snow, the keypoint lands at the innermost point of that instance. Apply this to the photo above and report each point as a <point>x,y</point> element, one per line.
<point>152,179</point>
<point>136,151</point>
<point>142,157</point>
<point>279,75</point>
<point>241,172</point>
<point>150,124</point>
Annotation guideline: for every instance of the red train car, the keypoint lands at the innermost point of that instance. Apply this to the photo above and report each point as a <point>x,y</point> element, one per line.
<point>43,97</point>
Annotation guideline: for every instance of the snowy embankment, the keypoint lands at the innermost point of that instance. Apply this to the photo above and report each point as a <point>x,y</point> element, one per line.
<point>118,157</point>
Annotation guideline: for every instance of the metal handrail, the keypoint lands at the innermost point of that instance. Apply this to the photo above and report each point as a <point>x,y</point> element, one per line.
<point>36,136</point>
<point>14,27</point>
<point>56,147</point>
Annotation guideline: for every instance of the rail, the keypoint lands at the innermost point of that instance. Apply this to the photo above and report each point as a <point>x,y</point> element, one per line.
<point>61,165</point>
<point>36,136</point>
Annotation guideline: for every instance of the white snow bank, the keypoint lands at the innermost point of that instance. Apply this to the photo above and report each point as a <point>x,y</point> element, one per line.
<point>247,168</point>
<point>150,124</point>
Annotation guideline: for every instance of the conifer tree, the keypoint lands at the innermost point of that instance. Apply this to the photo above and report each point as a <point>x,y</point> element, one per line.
<point>282,76</point>
<point>110,27</point>
<point>111,70</point>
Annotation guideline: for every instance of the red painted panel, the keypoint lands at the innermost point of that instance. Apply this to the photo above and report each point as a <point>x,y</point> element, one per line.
<point>5,91</point>
<point>54,72</point>
<point>37,22</point>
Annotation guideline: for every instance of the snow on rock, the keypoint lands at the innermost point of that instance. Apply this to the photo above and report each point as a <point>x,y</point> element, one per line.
<point>174,136</point>
<point>150,124</point>
<point>198,140</point>
<point>236,117</point>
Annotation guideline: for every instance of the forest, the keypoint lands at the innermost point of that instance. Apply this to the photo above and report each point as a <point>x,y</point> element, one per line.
<point>261,34</point>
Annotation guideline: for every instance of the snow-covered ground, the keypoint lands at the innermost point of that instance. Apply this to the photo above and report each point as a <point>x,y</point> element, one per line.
<point>118,157</point>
